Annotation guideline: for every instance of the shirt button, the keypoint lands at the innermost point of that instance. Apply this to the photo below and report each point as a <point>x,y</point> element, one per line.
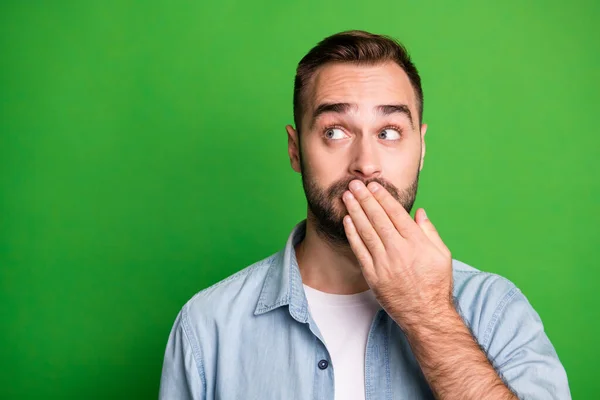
<point>323,364</point>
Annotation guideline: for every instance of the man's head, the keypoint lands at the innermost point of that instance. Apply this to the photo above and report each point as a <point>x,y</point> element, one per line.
<point>358,108</point>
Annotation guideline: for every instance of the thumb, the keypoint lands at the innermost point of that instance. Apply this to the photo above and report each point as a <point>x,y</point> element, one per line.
<point>429,229</point>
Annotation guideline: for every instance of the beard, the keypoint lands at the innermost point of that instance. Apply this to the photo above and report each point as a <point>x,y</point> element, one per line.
<point>328,208</point>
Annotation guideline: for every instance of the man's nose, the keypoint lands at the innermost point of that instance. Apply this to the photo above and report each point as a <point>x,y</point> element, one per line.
<point>365,162</point>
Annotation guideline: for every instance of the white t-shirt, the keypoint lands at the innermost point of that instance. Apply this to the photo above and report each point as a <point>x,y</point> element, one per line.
<point>344,321</point>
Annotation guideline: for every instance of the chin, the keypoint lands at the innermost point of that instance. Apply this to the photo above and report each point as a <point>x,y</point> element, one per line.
<point>340,211</point>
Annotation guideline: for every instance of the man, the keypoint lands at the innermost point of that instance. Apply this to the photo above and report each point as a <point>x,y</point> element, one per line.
<point>363,302</point>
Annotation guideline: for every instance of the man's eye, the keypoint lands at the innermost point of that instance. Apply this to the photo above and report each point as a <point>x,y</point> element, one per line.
<point>334,133</point>
<point>389,134</point>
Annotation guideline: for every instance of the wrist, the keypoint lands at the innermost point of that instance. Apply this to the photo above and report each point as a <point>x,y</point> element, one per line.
<point>435,319</point>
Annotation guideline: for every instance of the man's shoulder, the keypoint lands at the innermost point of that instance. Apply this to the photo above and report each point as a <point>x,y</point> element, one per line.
<point>481,296</point>
<point>236,293</point>
<point>468,279</point>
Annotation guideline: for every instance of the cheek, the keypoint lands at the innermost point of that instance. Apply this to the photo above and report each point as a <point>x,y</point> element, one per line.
<point>324,164</point>
<point>401,169</point>
<point>402,159</point>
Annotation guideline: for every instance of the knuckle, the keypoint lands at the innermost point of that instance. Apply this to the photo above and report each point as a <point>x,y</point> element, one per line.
<point>397,215</point>
<point>387,230</point>
<point>367,236</point>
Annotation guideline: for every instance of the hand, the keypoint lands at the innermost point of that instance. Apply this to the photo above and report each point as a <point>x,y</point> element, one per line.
<point>405,262</point>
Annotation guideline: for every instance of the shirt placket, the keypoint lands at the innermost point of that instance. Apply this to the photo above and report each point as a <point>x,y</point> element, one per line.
<point>377,360</point>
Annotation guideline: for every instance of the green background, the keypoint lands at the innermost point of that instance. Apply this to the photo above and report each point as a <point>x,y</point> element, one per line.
<point>143,157</point>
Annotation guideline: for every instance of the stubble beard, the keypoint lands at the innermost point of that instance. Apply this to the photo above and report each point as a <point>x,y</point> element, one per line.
<point>328,209</point>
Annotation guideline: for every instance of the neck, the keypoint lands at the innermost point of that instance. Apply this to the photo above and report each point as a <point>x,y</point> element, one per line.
<point>327,267</point>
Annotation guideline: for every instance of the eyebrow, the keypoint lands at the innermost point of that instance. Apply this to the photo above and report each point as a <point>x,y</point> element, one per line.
<point>394,109</point>
<point>343,108</point>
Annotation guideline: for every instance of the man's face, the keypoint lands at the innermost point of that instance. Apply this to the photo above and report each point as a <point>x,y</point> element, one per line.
<point>360,122</point>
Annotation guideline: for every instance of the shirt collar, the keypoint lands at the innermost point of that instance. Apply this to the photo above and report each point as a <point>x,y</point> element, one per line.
<point>283,282</point>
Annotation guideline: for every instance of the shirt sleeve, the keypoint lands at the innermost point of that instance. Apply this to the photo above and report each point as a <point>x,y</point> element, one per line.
<point>182,374</point>
<point>522,353</point>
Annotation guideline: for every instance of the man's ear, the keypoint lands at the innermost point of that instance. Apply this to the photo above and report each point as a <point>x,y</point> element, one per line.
<point>293,148</point>
<point>423,132</point>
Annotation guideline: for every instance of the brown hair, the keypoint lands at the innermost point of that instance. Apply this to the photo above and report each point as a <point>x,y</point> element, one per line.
<point>358,47</point>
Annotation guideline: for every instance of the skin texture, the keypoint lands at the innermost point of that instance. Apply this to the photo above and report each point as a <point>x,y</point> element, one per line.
<point>360,168</point>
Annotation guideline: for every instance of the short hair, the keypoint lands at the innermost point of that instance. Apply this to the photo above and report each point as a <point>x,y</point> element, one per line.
<point>356,47</point>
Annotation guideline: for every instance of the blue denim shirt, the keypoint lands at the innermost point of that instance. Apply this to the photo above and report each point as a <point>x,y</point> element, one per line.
<point>251,337</point>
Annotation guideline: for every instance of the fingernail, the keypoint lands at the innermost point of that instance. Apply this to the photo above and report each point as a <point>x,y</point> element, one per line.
<point>355,185</point>
<point>425,214</point>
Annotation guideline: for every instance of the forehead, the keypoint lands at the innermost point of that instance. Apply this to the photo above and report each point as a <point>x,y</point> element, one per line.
<point>364,85</point>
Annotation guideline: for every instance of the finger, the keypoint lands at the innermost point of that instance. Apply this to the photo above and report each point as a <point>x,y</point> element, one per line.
<point>379,219</point>
<point>430,231</point>
<point>401,219</point>
<point>358,247</point>
<point>363,226</point>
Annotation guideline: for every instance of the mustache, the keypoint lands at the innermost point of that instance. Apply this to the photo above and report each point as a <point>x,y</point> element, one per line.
<point>339,187</point>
